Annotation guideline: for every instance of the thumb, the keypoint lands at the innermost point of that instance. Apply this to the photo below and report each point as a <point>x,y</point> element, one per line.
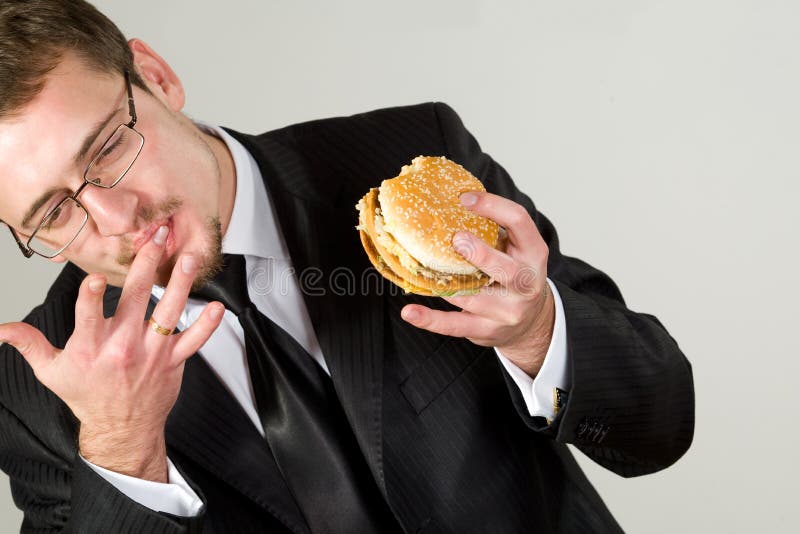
<point>30,342</point>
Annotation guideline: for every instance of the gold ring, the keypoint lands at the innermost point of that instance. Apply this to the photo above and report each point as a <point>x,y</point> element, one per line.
<point>158,328</point>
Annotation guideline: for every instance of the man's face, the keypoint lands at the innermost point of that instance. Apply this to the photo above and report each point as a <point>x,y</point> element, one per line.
<point>175,181</point>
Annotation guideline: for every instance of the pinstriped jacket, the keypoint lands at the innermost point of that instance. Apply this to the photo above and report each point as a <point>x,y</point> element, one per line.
<point>442,427</point>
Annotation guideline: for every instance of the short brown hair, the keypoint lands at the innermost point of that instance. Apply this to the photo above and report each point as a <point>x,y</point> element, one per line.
<point>35,34</point>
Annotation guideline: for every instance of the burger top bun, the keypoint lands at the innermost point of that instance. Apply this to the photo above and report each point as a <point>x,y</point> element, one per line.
<point>422,210</point>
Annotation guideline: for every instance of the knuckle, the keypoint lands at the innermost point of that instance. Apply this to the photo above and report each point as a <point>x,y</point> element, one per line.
<point>89,321</point>
<point>518,215</point>
<point>140,292</point>
<point>150,258</point>
<point>542,250</point>
<point>515,317</point>
<point>165,320</point>
<point>466,247</point>
<point>123,356</point>
<point>491,334</point>
<point>497,274</point>
<point>447,330</point>
<point>451,327</point>
<point>167,309</point>
<point>424,319</point>
<point>526,279</point>
<point>24,347</point>
<point>476,252</point>
<point>427,321</point>
<point>511,271</point>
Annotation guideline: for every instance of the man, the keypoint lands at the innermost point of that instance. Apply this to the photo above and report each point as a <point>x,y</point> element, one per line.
<point>435,407</point>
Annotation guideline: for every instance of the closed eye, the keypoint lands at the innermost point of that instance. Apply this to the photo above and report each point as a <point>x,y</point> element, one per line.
<point>109,149</point>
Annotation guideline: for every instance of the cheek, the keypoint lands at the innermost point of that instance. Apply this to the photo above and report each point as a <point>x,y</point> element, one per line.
<point>95,254</point>
<point>164,164</point>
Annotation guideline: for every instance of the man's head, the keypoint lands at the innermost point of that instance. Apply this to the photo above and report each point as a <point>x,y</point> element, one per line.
<point>62,94</point>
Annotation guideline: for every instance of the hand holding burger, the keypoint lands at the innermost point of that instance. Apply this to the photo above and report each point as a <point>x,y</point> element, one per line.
<point>408,223</point>
<point>512,308</point>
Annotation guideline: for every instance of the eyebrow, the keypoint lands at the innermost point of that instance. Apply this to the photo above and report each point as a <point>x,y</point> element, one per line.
<point>37,205</point>
<point>88,141</point>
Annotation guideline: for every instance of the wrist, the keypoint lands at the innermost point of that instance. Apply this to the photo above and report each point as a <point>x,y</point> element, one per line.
<point>528,357</point>
<point>529,351</point>
<point>137,454</point>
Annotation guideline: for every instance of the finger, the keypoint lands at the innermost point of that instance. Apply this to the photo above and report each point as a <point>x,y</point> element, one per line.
<point>190,340</point>
<point>89,308</point>
<point>139,282</point>
<point>456,324</point>
<point>502,268</point>
<point>30,342</point>
<point>169,308</point>
<point>522,231</point>
<point>494,302</point>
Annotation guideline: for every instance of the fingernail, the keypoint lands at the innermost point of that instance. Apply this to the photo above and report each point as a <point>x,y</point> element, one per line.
<point>469,199</point>
<point>96,285</point>
<point>410,314</point>
<point>216,311</point>
<point>161,235</point>
<point>188,264</point>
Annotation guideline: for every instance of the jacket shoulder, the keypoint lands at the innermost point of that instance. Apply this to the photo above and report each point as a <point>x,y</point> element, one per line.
<point>420,115</point>
<point>356,152</point>
<point>418,124</point>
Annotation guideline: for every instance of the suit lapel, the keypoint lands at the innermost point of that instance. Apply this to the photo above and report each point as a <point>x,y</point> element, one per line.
<point>208,427</point>
<point>317,219</point>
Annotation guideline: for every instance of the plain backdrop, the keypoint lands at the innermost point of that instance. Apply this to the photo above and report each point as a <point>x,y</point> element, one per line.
<point>661,138</point>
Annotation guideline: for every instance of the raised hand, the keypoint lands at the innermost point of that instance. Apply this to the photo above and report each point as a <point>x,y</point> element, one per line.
<point>119,376</point>
<point>516,312</point>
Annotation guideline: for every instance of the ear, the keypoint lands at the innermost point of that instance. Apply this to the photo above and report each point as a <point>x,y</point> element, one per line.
<point>58,259</point>
<point>158,75</point>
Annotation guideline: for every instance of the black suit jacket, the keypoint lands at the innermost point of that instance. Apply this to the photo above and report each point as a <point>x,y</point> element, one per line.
<point>443,428</point>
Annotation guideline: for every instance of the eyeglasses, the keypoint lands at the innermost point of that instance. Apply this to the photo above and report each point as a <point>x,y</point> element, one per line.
<point>62,224</point>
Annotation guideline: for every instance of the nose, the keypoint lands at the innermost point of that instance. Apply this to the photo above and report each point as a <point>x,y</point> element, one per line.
<point>112,210</point>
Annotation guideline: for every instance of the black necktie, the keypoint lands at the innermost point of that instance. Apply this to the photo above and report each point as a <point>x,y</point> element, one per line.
<point>305,426</point>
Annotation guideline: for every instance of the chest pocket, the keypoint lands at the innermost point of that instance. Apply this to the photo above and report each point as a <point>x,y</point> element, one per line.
<point>439,371</point>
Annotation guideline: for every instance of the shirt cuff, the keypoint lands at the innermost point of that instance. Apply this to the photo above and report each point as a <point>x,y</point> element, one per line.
<point>175,497</point>
<point>540,393</point>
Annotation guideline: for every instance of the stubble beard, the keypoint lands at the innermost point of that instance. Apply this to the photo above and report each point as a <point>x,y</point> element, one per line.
<point>212,263</point>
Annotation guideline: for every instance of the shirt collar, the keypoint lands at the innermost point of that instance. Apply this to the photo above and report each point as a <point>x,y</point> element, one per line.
<point>253,229</point>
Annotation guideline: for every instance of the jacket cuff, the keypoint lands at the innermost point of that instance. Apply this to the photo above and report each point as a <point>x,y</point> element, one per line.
<point>98,507</point>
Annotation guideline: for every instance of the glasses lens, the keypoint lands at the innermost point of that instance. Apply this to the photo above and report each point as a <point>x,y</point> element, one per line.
<point>115,157</point>
<point>59,228</point>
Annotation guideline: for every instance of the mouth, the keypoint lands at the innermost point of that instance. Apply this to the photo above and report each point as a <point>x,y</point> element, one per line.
<point>145,235</point>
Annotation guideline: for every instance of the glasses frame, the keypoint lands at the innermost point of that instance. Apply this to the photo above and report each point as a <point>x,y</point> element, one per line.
<point>25,247</point>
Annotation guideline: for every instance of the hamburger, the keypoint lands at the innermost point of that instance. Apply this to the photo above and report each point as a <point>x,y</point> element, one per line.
<point>407,225</point>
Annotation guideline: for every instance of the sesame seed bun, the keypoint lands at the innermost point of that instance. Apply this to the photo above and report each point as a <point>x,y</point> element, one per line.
<point>407,227</point>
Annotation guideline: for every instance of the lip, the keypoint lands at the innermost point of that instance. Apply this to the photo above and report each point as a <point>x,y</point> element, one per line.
<point>147,234</point>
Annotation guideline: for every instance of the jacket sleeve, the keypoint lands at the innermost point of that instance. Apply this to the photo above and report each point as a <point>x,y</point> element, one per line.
<point>631,404</point>
<point>56,491</point>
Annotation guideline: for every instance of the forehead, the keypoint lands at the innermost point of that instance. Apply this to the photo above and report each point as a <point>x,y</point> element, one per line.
<point>37,143</point>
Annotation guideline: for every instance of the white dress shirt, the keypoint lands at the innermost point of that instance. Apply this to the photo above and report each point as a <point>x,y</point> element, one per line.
<point>273,288</point>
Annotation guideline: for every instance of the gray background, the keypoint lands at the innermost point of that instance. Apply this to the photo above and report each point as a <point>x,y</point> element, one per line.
<point>660,137</point>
